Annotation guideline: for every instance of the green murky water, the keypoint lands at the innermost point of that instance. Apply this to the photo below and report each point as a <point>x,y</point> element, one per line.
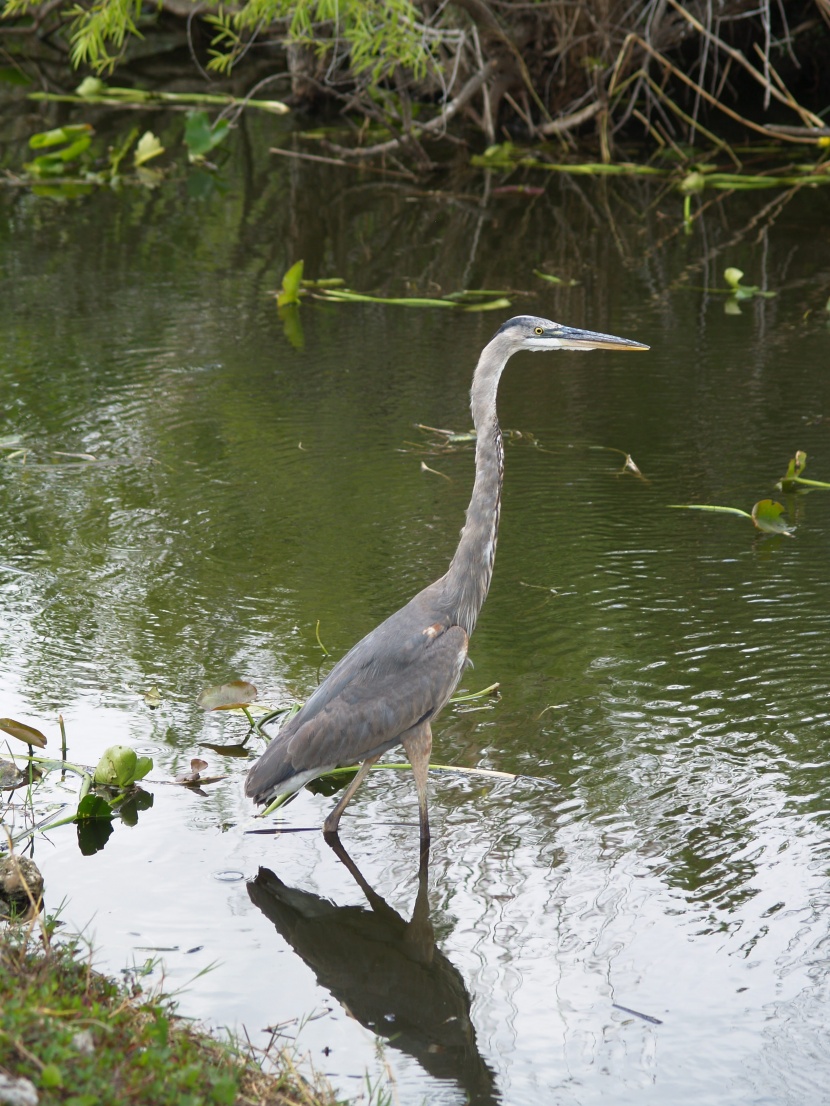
<point>643,916</point>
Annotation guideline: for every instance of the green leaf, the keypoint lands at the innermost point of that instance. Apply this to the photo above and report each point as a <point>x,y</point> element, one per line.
<point>121,767</point>
<point>22,732</point>
<point>143,766</point>
<point>291,284</point>
<point>50,1076</point>
<point>148,147</point>
<point>554,279</point>
<point>60,134</point>
<point>331,783</point>
<point>794,470</point>
<point>93,808</point>
<point>91,86</point>
<point>740,291</point>
<point>766,514</point>
<point>490,305</point>
<point>200,137</point>
<point>793,480</point>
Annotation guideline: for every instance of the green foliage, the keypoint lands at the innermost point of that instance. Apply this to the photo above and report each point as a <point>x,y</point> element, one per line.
<point>766,515</point>
<point>200,137</point>
<point>95,30</point>
<point>93,807</point>
<point>733,278</point>
<point>121,767</point>
<point>74,141</point>
<point>148,147</point>
<point>81,1038</point>
<point>793,481</point>
<point>291,285</point>
<point>381,35</point>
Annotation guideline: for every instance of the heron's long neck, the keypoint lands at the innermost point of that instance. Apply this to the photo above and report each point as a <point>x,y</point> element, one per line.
<point>468,577</point>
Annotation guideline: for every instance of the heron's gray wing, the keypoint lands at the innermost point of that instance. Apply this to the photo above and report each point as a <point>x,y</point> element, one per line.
<point>381,689</point>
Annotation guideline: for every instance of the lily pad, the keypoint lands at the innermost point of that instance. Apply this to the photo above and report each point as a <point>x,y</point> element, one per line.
<point>152,697</point>
<point>766,515</point>
<point>229,696</point>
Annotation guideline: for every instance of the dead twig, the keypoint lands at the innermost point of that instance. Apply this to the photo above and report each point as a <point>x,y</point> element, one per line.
<point>420,129</point>
<point>781,94</point>
<point>567,122</point>
<point>759,128</point>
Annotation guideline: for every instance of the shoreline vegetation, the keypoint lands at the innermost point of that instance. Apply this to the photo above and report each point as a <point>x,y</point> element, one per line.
<point>69,1034</point>
<point>413,84</point>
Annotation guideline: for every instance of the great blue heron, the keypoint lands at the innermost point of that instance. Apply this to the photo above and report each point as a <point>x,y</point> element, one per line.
<point>392,685</point>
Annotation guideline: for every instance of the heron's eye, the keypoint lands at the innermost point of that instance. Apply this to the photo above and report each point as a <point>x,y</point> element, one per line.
<point>540,330</point>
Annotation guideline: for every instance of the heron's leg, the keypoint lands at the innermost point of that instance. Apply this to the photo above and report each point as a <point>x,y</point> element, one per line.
<point>333,821</point>
<point>418,745</point>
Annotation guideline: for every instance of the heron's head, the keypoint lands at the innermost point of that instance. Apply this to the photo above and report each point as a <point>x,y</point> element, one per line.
<point>531,332</point>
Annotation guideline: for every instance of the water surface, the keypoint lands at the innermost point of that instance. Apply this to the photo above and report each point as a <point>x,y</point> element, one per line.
<point>642,915</point>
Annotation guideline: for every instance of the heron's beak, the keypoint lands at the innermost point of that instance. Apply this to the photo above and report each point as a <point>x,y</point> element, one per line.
<point>567,337</point>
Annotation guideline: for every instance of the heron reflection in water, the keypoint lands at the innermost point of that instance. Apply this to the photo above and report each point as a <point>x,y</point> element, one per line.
<point>391,686</point>
<point>386,972</point>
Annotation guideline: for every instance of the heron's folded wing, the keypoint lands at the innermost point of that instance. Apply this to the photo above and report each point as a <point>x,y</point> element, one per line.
<point>371,701</point>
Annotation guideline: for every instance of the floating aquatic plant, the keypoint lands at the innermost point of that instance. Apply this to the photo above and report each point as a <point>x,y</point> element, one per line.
<point>201,136</point>
<point>66,145</point>
<point>766,515</point>
<point>733,278</point>
<point>234,695</point>
<point>333,290</point>
<point>291,285</point>
<point>792,480</point>
<point>121,767</point>
<point>92,90</point>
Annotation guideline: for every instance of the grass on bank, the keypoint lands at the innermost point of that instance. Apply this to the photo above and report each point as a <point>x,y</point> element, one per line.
<point>83,1039</point>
